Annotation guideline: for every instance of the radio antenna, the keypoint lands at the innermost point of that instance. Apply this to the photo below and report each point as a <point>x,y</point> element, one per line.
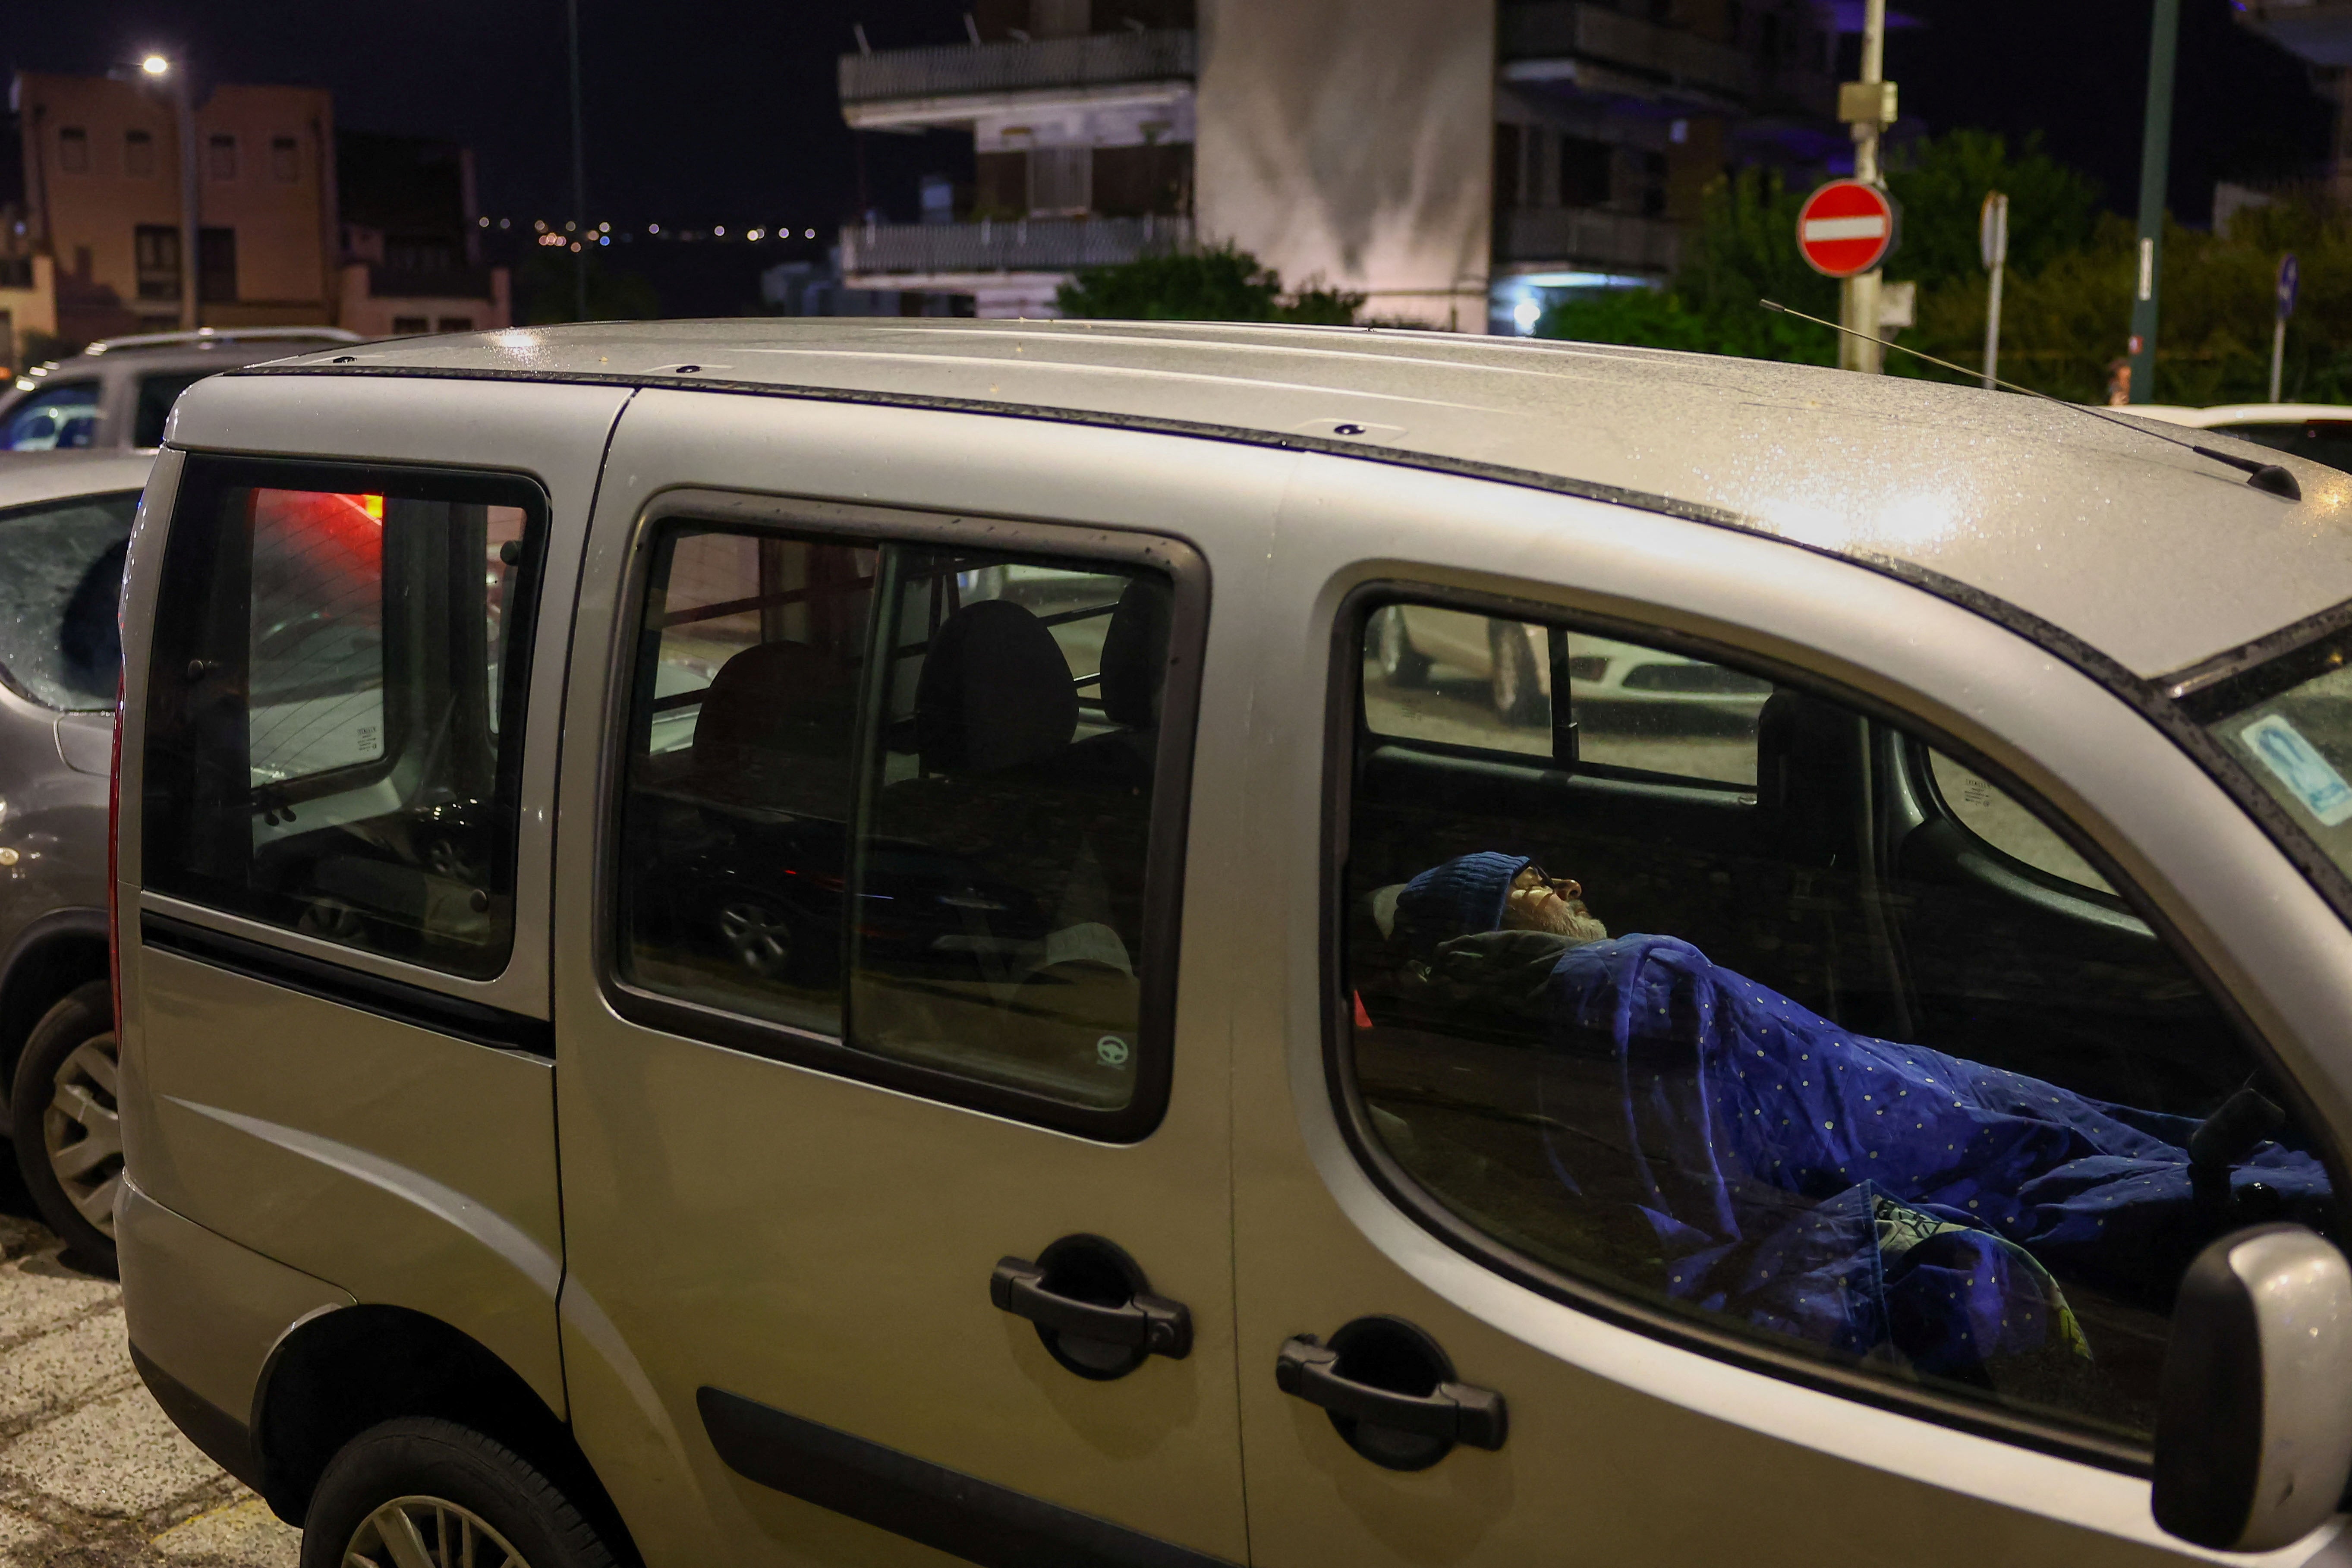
<point>2268,478</point>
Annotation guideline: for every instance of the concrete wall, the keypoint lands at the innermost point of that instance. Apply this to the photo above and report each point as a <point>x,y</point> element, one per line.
<point>1353,141</point>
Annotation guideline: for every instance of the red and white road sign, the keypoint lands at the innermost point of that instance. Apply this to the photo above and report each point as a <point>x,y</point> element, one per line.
<point>1845,227</point>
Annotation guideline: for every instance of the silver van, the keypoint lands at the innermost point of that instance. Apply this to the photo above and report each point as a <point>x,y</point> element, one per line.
<point>841,942</point>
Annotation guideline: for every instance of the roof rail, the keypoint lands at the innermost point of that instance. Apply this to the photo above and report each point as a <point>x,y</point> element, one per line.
<point>225,335</point>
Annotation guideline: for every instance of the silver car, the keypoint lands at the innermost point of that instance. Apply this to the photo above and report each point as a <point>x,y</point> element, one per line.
<point>836,942</point>
<point>116,392</point>
<point>65,520</point>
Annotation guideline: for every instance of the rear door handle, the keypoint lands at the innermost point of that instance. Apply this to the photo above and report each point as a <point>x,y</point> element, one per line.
<point>1451,1412</point>
<point>1153,1324</point>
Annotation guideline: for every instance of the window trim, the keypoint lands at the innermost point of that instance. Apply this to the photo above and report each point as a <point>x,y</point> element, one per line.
<point>1342,729</point>
<point>204,478</point>
<point>1165,863</point>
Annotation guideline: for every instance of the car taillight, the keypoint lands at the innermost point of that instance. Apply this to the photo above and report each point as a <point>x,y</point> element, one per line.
<point>113,882</point>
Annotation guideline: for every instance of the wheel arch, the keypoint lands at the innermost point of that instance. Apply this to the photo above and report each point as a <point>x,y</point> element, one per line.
<point>338,1371</point>
<point>60,950</point>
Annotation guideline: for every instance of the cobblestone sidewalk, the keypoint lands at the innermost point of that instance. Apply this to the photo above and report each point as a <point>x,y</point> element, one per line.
<point>92,1473</point>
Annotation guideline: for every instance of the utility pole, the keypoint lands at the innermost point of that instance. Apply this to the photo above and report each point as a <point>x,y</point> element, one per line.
<point>579,177</point>
<point>2155,167</point>
<point>174,75</point>
<point>1868,106</point>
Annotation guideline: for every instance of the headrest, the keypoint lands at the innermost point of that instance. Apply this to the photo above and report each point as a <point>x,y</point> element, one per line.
<point>1135,654</point>
<point>1463,896</point>
<point>995,692</point>
<point>760,694</point>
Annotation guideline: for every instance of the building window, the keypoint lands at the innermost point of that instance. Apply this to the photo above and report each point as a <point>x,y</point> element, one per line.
<point>217,266</point>
<point>156,247</point>
<point>139,154</point>
<point>285,159</point>
<point>455,325</point>
<point>73,150</point>
<point>1507,159</point>
<point>402,325</point>
<point>222,154</point>
<point>1584,172</point>
<point>1653,189</point>
<point>1061,181</point>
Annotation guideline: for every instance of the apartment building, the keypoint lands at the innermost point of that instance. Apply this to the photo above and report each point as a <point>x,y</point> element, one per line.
<point>1454,161</point>
<point>108,179</point>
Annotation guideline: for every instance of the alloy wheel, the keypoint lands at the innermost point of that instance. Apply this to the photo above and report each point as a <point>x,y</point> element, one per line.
<point>758,936</point>
<point>82,1130</point>
<point>429,1532</point>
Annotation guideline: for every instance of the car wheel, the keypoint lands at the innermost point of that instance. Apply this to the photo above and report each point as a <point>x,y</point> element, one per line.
<point>1401,663</point>
<point>420,1490</point>
<point>64,1119</point>
<point>759,936</point>
<point>1517,696</point>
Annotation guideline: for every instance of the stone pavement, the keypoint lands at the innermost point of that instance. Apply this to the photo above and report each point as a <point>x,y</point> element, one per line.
<point>92,1473</point>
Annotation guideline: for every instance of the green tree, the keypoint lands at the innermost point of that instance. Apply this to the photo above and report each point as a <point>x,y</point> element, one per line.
<point>547,289</point>
<point>1220,283</point>
<point>1942,182</point>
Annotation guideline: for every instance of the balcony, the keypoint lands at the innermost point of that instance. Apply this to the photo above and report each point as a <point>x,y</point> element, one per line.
<point>1585,239</point>
<point>913,87</point>
<point>933,251</point>
<point>1569,40</point>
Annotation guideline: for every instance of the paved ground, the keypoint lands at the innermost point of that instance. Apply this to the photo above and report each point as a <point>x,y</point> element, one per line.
<point>92,1474</point>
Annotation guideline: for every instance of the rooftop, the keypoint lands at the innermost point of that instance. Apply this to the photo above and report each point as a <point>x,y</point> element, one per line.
<point>2134,544</point>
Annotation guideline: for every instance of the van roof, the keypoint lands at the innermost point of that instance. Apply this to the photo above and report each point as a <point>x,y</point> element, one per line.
<point>2131,544</point>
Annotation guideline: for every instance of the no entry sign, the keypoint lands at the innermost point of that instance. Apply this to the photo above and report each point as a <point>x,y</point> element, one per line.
<point>1846,227</point>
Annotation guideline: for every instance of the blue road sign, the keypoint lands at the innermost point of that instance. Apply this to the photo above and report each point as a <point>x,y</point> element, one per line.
<point>2289,275</point>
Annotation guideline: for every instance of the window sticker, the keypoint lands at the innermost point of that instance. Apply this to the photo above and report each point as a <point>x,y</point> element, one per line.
<point>2299,766</point>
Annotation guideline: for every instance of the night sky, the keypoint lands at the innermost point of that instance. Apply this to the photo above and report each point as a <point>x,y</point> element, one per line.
<point>702,112</point>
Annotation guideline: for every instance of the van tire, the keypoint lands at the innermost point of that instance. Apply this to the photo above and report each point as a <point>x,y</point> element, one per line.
<point>424,1456</point>
<point>83,1021</point>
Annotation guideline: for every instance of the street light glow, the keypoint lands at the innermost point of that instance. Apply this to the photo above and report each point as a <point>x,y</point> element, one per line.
<point>154,65</point>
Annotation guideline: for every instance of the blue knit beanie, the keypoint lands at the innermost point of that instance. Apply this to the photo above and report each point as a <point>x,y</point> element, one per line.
<point>1463,896</point>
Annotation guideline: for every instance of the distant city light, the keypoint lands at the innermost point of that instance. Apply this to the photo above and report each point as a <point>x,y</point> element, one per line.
<point>154,65</point>
<point>809,235</point>
<point>653,228</point>
<point>755,233</point>
<point>505,223</point>
<point>719,229</point>
<point>483,221</point>
<point>540,223</point>
<point>575,244</point>
<point>1527,314</point>
<point>603,239</point>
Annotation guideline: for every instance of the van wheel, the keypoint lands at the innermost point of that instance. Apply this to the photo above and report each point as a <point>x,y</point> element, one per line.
<point>1401,664</point>
<point>423,1491</point>
<point>67,1128</point>
<point>1518,699</point>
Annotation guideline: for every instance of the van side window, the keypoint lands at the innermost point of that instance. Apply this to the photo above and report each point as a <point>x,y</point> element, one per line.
<point>1807,1068</point>
<point>899,797</point>
<point>334,706</point>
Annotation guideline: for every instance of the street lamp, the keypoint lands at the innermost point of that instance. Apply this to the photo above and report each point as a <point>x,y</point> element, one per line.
<point>158,68</point>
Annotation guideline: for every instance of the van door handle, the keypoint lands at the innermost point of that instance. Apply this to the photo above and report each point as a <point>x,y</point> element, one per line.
<point>1452,1412</point>
<point>1153,1324</point>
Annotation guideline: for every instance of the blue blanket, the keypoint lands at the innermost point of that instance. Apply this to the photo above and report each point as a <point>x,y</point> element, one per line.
<point>1885,1200</point>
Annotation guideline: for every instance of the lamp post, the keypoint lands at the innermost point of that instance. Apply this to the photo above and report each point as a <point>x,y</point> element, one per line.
<point>158,69</point>
<point>2155,165</point>
<point>1867,106</point>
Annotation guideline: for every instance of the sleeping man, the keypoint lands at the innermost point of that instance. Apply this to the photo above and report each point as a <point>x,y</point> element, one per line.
<point>1881,1199</point>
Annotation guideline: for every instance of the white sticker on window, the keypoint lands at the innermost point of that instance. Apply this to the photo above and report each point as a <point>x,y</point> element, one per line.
<point>2298,764</point>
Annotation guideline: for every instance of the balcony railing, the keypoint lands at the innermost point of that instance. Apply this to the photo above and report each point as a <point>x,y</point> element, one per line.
<point>1022,244</point>
<point>1585,239</point>
<point>958,70</point>
<point>1548,30</point>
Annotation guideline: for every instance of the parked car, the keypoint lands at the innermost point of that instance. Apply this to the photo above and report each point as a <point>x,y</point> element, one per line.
<point>1175,1099</point>
<point>118,391</point>
<point>1517,662</point>
<point>2319,431</point>
<point>65,519</point>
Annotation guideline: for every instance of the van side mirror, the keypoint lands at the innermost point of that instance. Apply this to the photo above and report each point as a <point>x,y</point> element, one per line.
<point>2253,1426</point>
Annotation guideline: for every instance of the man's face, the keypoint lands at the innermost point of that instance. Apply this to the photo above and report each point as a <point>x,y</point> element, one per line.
<point>1539,901</point>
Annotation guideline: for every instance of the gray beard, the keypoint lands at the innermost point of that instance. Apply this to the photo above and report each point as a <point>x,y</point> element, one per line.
<point>1561,918</point>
